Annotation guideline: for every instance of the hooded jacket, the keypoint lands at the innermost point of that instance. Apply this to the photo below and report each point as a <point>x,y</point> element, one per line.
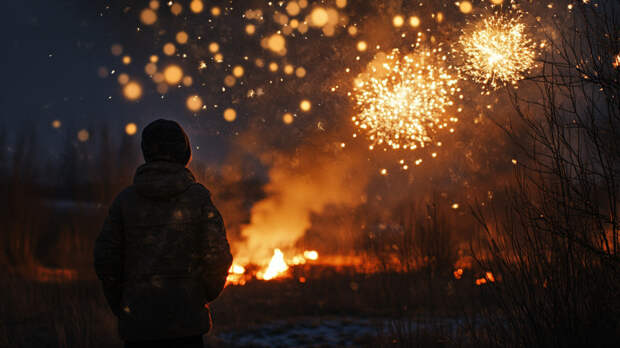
<point>162,254</point>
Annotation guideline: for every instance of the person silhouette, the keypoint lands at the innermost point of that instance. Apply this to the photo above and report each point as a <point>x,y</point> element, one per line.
<point>162,254</point>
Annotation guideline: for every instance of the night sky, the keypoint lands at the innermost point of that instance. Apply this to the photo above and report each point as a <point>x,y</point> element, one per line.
<point>53,50</point>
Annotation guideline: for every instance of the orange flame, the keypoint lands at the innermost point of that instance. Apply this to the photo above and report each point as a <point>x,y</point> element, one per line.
<point>311,255</point>
<point>276,267</point>
<point>236,275</point>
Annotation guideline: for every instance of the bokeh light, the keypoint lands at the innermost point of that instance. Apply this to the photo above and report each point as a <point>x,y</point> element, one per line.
<point>169,49</point>
<point>398,21</point>
<point>465,7</point>
<point>300,72</point>
<point>132,90</point>
<point>292,8</point>
<point>194,103</point>
<point>182,37</point>
<point>238,71</point>
<point>196,6</point>
<point>131,128</point>
<point>277,44</point>
<point>116,49</point>
<point>305,105</point>
<point>173,74</point>
<point>148,16</point>
<point>318,17</point>
<point>123,79</point>
<point>287,118</point>
<point>230,115</point>
<point>150,68</point>
<point>176,9</point>
<point>83,135</point>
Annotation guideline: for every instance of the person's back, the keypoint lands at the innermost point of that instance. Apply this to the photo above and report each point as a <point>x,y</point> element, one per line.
<point>162,255</point>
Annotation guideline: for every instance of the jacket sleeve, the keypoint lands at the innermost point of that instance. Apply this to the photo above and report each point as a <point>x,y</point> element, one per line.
<point>217,258</point>
<point>109,253</point>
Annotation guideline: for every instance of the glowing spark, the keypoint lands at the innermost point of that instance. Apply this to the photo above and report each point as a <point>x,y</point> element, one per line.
<point>616,62</point>
<point>402,100</point>
<point>276,266</point>
<point>496,50</point>
<point>56,124</point>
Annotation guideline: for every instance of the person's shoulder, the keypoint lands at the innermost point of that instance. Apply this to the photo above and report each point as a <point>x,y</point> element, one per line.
<point>128,192</point>
<point>198,190</point>
<point>127,195</point>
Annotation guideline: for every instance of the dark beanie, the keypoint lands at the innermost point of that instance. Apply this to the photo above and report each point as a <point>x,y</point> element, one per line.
<point>165,140</point>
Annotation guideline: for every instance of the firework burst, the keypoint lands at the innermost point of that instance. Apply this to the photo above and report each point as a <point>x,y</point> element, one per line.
<point>402,100</point>
<point>496,50</point>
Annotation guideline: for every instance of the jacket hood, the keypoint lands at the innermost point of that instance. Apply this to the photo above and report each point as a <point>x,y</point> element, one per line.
<point>162,179</point>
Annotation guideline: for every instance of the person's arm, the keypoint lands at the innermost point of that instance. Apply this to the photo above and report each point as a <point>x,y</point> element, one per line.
<point>217,258</point>
<point>109,252</point>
